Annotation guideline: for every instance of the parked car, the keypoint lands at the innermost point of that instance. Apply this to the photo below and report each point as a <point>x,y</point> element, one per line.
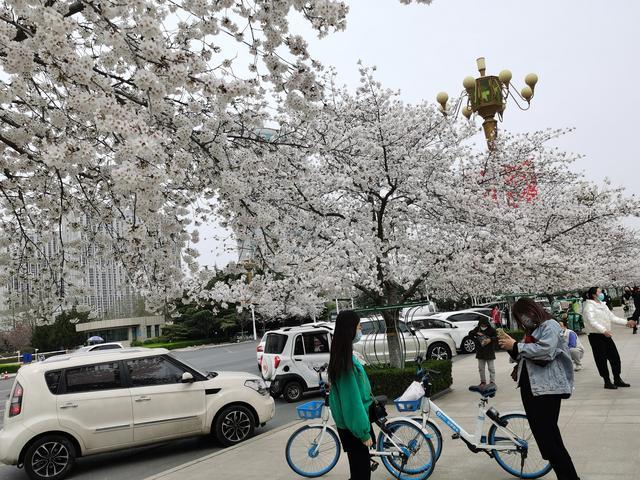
<point>374,347</point>
<point>82,404</point>
<point>429,326</point>
<point>287,356</point>
<point>462,318</point>
<point>99,346</point>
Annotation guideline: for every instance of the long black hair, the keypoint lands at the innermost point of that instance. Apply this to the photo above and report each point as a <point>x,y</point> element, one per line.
<point>341,360</point>
<point>589,294</point>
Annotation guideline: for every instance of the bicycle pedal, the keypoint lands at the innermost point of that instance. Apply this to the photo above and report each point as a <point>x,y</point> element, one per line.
<point>455,436</point>
<point>374,465</point>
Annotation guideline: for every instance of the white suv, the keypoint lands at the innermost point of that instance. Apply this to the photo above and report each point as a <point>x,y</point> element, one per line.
<point>288,356</point>
<point>74,405</point>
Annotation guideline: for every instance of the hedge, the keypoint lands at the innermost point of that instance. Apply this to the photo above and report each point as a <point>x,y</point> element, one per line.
<point>392,382</point>
<point>9,367</point>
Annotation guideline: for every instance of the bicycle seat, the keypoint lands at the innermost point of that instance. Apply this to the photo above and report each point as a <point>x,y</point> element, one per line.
<point>488,392</point>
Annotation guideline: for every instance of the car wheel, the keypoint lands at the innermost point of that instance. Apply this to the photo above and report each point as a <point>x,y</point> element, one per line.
<point>439,351</point>
<point>468,345</point>
<point>234,425</point>
<point>292,391</point>
<point>51,457</point>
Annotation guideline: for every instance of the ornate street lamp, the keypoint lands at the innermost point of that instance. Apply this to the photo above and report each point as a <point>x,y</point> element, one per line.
<point>487,95</point>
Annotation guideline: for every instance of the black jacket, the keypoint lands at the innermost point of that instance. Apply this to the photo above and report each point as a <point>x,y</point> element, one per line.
<point>485,352</point>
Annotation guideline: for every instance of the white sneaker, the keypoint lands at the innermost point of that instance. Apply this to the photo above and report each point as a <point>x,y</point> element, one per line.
<point>577,368</point>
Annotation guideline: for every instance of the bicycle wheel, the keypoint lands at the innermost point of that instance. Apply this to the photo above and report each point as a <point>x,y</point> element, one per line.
<point>312,453</point>
<point>414,443</point>
<point>434,432</point>
<point>510,460</point>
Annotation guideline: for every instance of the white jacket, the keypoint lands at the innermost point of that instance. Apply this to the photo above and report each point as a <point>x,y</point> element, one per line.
<point>597,317</point>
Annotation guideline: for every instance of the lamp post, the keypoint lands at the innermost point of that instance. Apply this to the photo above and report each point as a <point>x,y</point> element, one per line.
<point>487,96</point>
<point>249,265</point>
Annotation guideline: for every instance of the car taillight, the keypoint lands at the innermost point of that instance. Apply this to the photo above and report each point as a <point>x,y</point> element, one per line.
<point>260,349</point>
<point>15,405</point>
<point>276,361</point>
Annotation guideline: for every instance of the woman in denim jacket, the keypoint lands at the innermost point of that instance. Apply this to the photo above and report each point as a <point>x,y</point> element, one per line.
<point>545,376</point>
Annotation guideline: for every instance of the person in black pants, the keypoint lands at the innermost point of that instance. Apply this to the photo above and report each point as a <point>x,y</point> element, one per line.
<point>597,322</point>
<point>544,373</point>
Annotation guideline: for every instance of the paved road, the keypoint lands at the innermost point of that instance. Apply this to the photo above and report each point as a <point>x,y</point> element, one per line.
<point>138,463</point>
<point>5,388</point>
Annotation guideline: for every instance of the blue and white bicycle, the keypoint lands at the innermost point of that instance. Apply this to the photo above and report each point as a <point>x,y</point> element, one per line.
<point>406,451</point>
<point>509,439</point>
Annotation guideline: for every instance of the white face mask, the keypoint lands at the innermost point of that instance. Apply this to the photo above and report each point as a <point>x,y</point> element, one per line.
<point>483,327</point>
<point>358,336</point>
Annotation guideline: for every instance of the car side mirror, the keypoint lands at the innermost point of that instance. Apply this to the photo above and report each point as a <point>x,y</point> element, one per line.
<point>187,378</point>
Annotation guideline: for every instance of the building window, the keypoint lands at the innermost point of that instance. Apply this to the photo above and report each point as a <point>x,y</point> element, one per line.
<point>157,330</point>
<point>149,334</point>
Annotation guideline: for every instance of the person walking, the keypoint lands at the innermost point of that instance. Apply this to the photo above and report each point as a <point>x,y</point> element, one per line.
<point>576,350</point>
<point>350,395</point>
<point>486,339</point>
<point>544,374</point>
<point>597,321</point>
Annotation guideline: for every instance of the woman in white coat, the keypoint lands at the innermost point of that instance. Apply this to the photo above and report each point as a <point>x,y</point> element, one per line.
<point>597,322</point>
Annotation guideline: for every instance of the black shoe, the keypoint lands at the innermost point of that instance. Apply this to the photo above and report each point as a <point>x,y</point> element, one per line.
<point>619,383</point>
<point>610,386</point>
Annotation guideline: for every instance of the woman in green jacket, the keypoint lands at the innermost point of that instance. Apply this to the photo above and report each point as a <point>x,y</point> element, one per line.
<point>350,395</point>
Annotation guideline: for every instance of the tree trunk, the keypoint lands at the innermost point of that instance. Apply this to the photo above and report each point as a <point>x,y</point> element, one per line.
<point>397,348</point>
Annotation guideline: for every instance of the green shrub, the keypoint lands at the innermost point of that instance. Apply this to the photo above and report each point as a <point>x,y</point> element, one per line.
<point>9,367</point>
<point>392,382</point>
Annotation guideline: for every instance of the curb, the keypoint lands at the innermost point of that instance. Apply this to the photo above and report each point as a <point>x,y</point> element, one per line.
<point>222,451</point>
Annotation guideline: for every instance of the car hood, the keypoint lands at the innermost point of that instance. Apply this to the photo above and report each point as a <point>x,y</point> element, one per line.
<point>232,377</point>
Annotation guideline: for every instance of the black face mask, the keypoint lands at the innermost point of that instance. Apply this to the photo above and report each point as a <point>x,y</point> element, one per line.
<point>528,324</point>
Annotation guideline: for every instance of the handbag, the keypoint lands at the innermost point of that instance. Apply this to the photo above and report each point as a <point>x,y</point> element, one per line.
<point>377,411</point>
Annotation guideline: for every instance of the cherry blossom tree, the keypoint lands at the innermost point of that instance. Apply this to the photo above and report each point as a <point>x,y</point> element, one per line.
<point>118,118</point>
<point>392,201</point>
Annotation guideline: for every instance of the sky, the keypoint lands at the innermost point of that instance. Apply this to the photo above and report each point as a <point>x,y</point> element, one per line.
<point>585,53</point>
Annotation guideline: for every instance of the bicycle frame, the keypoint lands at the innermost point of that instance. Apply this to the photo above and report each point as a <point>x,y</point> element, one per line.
<point>476,440</point>
<point>326,414</point>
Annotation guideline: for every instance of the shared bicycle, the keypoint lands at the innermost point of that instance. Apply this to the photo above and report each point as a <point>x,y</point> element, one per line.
<point>405,450</point>
<point>509,439</point>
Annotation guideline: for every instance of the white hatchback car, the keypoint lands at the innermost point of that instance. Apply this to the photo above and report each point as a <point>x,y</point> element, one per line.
<point>82,404</point>
<point>429,326</point>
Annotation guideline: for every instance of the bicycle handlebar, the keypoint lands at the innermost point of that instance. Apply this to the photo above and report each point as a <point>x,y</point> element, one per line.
<point>321,368</point>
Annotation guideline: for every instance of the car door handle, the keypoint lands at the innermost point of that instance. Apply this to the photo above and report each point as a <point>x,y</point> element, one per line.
<point>143,399</point>
<point>298,359</point>
<point>69,405</point>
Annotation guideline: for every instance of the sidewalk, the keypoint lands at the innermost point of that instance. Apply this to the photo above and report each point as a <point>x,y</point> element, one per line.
<point>599,428</point>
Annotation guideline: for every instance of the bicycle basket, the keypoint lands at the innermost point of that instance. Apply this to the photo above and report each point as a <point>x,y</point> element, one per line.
<point>408,405</point>
<point>311,409</point>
